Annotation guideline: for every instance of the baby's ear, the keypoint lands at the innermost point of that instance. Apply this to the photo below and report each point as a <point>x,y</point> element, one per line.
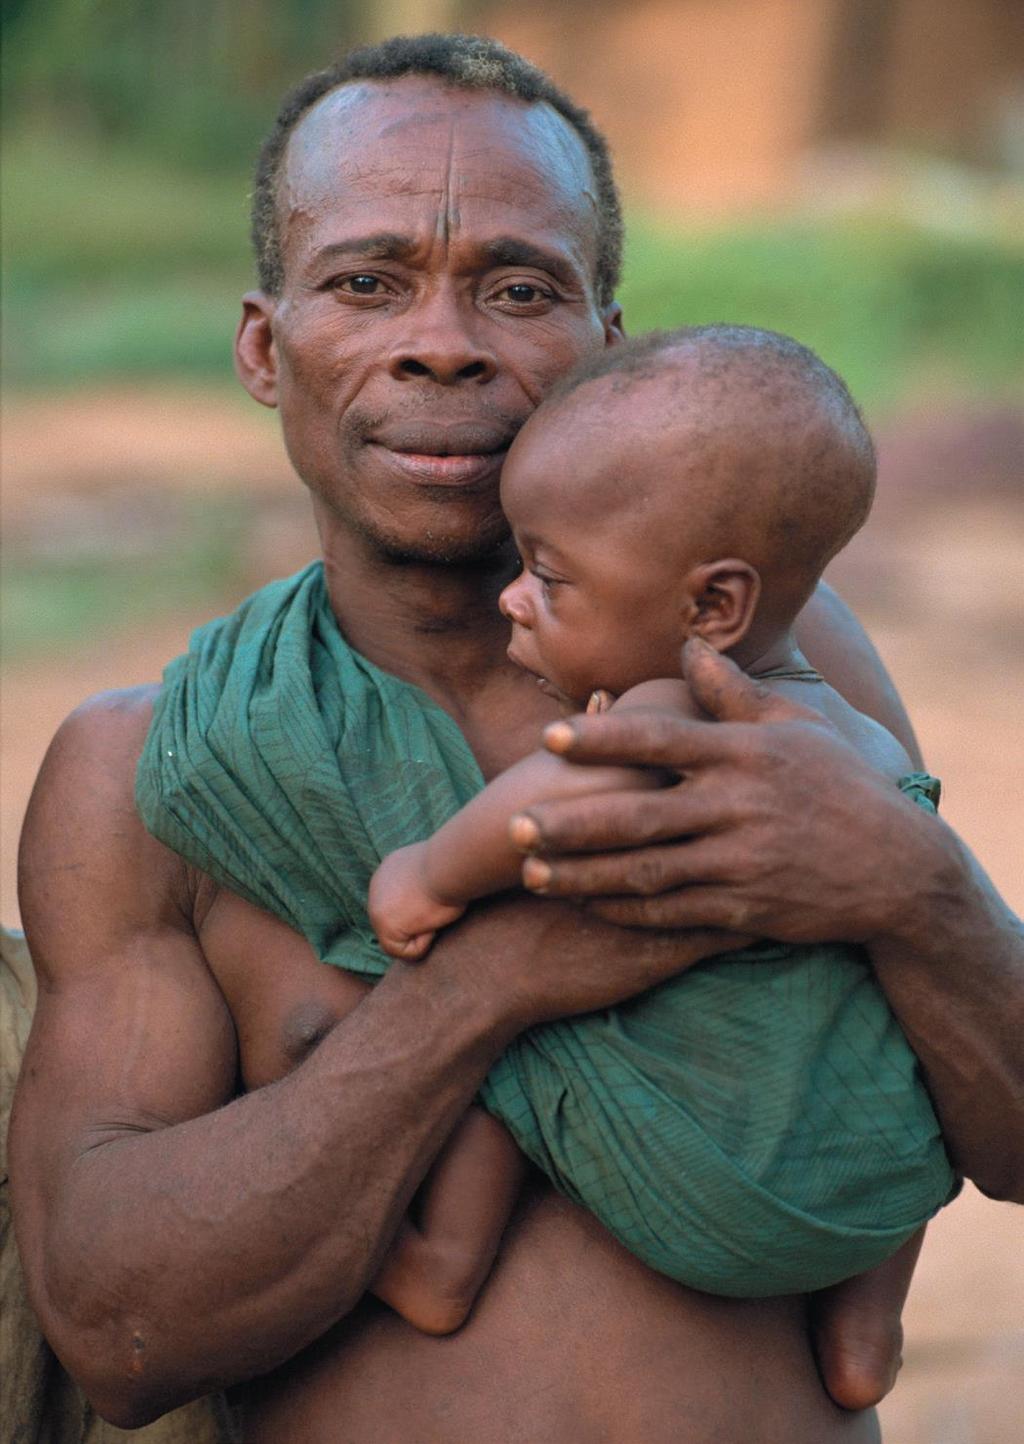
<point>723,599</point>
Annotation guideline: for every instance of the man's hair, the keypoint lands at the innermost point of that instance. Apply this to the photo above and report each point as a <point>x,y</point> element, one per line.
<point>463,62</point>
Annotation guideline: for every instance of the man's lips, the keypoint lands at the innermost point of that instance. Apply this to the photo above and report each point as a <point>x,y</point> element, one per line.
<point>442,470</point>
<point>443,454</point>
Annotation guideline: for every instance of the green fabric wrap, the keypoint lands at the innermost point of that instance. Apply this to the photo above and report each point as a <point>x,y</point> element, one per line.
<point>754,1126</point>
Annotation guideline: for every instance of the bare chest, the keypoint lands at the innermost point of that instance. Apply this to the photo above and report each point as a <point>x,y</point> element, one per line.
<point>503,721</point>
<point>282,998</point>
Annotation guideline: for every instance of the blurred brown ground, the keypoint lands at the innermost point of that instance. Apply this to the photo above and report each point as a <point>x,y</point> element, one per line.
<point>938,578</point>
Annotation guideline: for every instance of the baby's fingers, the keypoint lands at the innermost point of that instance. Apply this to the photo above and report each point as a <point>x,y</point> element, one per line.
<point>408,950</point>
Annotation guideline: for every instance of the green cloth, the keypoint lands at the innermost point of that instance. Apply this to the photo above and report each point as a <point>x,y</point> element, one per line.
<point>754,1126</point>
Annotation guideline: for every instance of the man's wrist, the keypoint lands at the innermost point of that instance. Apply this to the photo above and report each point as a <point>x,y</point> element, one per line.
<point>456,984</point>
<point>927,890</point>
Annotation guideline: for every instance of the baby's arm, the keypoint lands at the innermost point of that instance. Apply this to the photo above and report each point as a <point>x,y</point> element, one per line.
<point>437,1264</point>
<point>426,886</point>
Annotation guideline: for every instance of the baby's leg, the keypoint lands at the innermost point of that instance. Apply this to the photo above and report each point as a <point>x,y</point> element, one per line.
<point>857,1331</point>
<point>443,1253</point>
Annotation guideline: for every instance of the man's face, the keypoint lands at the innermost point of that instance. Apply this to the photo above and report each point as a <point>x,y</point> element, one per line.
<point>439,251</point>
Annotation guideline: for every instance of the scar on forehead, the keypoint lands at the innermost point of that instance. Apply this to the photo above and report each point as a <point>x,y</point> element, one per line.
<point>448,216</point>
<point>417,121</point>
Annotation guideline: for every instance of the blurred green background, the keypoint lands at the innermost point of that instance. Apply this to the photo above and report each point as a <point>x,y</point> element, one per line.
<point>130,128</point>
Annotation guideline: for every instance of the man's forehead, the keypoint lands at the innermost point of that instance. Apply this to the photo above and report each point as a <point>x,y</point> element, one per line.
<point>366,135</point>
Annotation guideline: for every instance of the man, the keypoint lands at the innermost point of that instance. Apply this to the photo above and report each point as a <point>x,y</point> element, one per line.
<point>209,1164</point>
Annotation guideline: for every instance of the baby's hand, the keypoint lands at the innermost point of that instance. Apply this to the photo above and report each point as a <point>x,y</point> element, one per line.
<point>403,911</point>
<point>599,701</point>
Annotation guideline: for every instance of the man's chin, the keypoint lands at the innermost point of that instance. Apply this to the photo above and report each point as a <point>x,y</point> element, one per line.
<point>439,548</point>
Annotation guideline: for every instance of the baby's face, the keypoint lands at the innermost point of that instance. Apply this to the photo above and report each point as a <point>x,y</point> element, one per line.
<point>595,605</point>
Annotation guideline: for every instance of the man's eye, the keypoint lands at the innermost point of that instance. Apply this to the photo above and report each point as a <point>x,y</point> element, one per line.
<point>358,285</point>
<point>522,293</point>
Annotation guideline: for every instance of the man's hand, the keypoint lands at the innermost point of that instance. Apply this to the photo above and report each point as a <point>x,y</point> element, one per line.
<point>776,827</point>
<point>779,829</point>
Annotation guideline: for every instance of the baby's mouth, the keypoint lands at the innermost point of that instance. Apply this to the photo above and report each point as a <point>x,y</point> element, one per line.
<point>548,688</point>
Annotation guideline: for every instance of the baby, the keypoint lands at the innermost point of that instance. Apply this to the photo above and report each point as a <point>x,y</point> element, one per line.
<point>757,1125</point>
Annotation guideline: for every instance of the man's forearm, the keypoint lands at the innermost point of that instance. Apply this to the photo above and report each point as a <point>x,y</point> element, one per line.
<point>953,970</point>
<point>208,1252</point>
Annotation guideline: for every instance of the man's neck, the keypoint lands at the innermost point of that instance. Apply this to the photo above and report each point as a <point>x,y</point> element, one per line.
<point>434,624</point>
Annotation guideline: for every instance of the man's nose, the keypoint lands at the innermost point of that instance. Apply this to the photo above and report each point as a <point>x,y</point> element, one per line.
<point>513,602</point>
<point>441,343</point>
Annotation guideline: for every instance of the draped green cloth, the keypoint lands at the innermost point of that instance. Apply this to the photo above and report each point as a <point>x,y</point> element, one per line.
<point>755,1126</point>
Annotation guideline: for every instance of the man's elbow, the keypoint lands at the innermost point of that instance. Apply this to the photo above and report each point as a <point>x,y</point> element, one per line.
<point>123,1411</point>
<point>109,1352</point>
<point>114,1375</point>
<point>995,1170</point>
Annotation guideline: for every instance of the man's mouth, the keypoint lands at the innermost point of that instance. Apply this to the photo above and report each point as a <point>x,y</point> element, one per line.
<point>455,455</point>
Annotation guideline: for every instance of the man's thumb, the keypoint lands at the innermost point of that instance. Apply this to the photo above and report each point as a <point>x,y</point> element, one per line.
<point>723,691</point>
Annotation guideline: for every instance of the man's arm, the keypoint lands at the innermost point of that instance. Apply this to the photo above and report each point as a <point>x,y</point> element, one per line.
<point>779,829</point>
<point>833,640</point>
<point>177,1238</point>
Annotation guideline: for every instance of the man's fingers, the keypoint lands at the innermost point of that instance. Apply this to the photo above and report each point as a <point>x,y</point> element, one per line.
<point>617,820</point>
<point>643,872</point>
<point>689,908</point>
<point>728,694</point>
<point>641,737</point>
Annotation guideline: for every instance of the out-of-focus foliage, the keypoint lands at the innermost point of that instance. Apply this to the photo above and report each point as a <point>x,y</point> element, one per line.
<point>192,80</point>
<point>117,264</point>
<point>890,306</point>
<point>52,598</point>
<point>132,127</point>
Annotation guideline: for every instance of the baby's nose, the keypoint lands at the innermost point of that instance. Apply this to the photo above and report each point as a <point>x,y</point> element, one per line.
<point>513,603</point>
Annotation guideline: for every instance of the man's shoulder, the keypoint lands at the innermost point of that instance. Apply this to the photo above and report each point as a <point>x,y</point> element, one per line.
<point>119,712</point>
<point>96,748</point>
<point>84,850</point>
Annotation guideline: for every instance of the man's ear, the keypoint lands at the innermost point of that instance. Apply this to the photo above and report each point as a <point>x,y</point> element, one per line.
<point>614,330</point>
<point>722,600</point>
<point>255,349</point>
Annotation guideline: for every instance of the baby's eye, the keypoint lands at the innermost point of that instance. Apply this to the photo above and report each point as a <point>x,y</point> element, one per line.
<point>547,583</point>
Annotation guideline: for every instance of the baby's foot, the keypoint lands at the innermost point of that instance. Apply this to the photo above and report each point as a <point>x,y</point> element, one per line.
<point>859,1354</point>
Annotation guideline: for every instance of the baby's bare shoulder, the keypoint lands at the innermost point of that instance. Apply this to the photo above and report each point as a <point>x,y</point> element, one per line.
<point>875,743</point>
<point>665,692</point>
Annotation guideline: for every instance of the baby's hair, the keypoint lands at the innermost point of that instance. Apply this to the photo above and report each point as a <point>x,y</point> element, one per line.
<point>786,460</point>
